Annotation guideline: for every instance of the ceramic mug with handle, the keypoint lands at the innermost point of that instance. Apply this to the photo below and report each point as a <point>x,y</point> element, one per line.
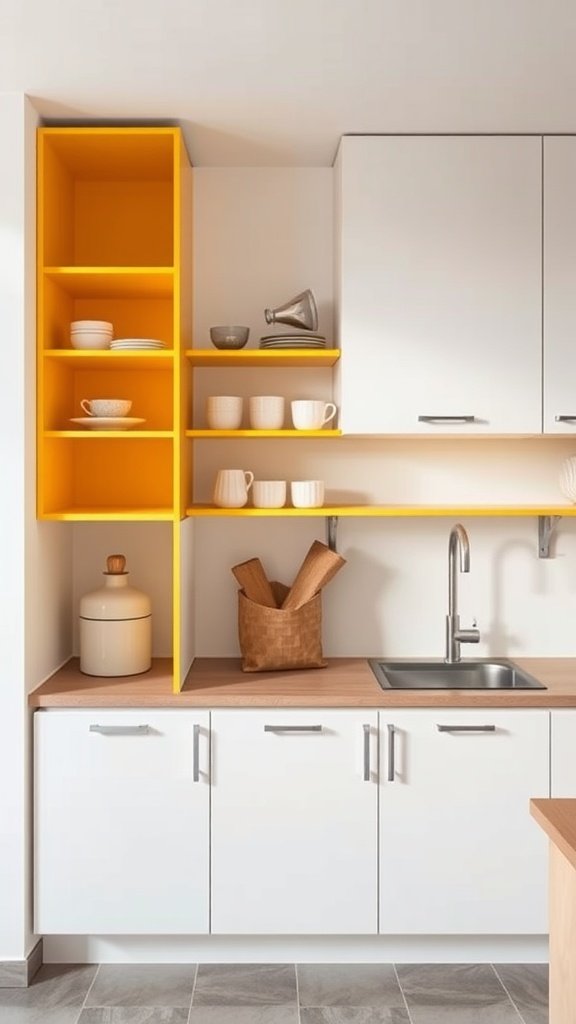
<point>231,487</point>
<point>311,415</point>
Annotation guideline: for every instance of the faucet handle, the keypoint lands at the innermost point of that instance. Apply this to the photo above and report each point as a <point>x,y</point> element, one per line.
<point>468,636</point>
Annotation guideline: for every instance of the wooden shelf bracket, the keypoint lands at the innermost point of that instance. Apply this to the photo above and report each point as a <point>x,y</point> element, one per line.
<point>546,527</point>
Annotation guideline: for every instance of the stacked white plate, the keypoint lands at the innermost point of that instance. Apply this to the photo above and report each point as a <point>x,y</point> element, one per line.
<point>126,344</point>
<point>293,341</point>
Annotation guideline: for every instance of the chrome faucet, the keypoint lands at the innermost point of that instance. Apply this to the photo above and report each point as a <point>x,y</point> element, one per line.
<point>454,635</point>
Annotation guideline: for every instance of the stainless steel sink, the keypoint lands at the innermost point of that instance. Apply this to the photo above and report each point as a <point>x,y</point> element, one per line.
<point>481,674</point>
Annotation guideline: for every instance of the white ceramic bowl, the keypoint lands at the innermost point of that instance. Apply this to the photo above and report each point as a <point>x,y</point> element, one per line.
<point>90,339</point>
<point>568,478</point>
<point>92,325</point>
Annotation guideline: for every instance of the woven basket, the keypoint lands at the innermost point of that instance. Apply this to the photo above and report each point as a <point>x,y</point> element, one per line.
<point>280,638</point>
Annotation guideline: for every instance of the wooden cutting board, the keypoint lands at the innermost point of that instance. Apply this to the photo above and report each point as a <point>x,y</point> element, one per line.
<point>318,568</point>
<point>254,582</point>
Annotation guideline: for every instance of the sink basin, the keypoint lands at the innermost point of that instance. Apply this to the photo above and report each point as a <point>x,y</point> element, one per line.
<point>482,674</point>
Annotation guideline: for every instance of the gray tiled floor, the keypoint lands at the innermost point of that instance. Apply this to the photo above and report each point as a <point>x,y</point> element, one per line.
<point>281,994</point>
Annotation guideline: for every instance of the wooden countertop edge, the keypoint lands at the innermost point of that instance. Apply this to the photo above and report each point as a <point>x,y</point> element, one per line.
<point>558,819</point>
<point>345,683</point>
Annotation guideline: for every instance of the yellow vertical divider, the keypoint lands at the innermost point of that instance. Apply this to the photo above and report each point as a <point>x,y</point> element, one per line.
<point>182,648</point>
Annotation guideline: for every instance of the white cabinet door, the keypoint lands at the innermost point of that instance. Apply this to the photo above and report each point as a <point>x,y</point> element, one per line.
<point>121,821</point>
<point>563,754</point>
<point>439,273</point>
<point>559,285</point>
<point>459,852</point>
<point>294,822</point>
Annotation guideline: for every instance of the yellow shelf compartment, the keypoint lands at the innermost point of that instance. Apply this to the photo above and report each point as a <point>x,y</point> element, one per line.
<point>109,514</point>
<point>109,435</point>
<point>216,434</point>
<point>263,357</point>
<point>69,378</point>
<point>102,477</point>
<point>107,196</point>
<point>110,282</point>
<point>389,511</point>
<point>105,359</point>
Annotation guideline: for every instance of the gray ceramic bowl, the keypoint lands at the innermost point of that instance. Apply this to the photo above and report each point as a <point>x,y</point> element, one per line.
<point>229,337</point>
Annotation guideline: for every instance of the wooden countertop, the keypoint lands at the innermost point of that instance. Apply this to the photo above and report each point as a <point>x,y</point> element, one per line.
<point>346,682</point>
<point>558,819</point>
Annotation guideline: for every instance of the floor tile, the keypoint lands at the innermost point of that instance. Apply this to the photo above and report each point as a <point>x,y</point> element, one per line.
<point>37,1015</point>
<point>354,1015</point>
<point>343,985</point>
<point>455,994</point>
<point>245,985</point>
<point>134,1015</point>
<point>55,987</point>
<point>244,1015</point>
<point>149,985</point>
<point>527,986</point>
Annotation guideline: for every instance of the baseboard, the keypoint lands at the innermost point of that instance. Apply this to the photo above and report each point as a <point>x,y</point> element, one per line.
<point>19,973</point>
<point>295,949</point>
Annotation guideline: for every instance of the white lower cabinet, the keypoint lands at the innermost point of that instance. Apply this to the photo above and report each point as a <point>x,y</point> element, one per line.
<point>294,822</point>
<point>121,821</point>
<point>459,852</point>
<point>563,760</point>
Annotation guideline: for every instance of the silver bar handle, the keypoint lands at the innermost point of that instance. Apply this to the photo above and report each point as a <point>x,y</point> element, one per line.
<point>466,728</point>
<point>120,730</point>
<point>292,728</point>
<point>391,765</point>
<point>196,754</point>
<point>565,419</point>
<point>366,729</point>
<point>446,419</point>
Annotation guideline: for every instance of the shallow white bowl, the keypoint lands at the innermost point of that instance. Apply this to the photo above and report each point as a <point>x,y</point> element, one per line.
<point>90,339</point>
<point>92,325</point>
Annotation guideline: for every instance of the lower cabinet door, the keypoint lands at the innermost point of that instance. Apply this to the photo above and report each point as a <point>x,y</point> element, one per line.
<point>459,851</point>
<point>294,822</point>
<point>563,759</point>
<point>121,821</point>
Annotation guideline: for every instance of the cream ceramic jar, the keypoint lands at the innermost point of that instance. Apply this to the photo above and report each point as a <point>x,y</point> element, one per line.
<point>115,626</point>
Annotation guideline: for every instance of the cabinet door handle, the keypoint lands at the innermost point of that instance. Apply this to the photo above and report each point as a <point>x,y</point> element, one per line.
<point>565,419</point>
<point>466,728</point>
<point>196,754</point>
<point>366,729</point>
<point>120,730</point>
<point>292,728</point>
<point>446,419</point>
<point>391,765</point>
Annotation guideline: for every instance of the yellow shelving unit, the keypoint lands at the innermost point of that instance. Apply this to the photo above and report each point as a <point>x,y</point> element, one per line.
<point>278,434</point>
<point>113,234</point>
<point>263,357</point>
<point>389,511</point>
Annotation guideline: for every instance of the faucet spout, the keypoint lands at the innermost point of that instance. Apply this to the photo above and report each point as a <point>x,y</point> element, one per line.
<point>458,543</point>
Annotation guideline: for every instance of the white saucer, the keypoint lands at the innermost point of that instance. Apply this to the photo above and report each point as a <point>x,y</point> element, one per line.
<point>107,422</point>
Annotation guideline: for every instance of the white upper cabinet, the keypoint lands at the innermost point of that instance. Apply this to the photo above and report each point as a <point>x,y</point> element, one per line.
<point>440,280</point>
<point>559,285</point>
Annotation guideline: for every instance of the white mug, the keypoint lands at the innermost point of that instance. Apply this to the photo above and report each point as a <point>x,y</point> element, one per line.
<point>266,412</point>
<point>106,406</point>
<point>310,415</point>
<point>231,487</point>
<point>307,493</point>
<point>224,412</point>
<point>269,493</point>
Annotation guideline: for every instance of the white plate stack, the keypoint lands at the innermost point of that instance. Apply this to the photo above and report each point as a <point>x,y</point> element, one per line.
<point>128,344</point>
<point>293,341</point>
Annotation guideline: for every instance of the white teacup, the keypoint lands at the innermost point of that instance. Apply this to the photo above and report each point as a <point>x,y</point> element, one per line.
<point>266,412</point>
<point>224,412</point>
<point>308,414</point>
<point>269,493</point>
<point>231,487</point>
<point>307,493</point>
<point>106,406</point>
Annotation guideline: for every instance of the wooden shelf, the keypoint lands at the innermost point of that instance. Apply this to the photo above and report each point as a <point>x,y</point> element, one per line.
<point>263,357</point>
<point>105,359</point>
<point>389,511</point>
<point>215,434</point>
<point>113,281</point>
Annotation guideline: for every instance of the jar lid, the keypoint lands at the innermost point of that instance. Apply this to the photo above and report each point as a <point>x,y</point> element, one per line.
<point>115,600</point>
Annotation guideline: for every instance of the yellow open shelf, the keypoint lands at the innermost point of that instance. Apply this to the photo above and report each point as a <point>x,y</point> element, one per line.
<point>110,435</point>
<point>215,434</point>
<point>263,357</point>
<point>129,282</point>
<point>389,511</point>
<point>105,359</point>
<point>109,513</point>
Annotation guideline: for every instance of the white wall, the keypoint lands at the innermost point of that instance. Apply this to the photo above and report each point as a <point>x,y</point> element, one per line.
<point>260,235</point>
